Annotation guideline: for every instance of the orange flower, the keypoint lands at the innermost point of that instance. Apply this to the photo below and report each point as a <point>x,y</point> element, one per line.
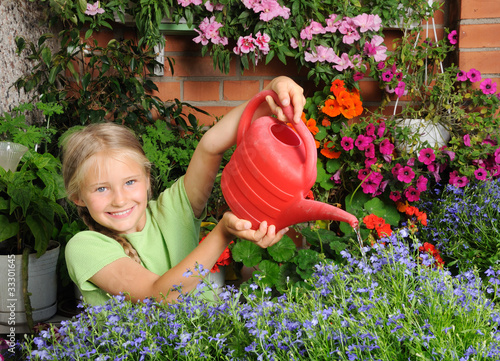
<point>331,108</point>
<point>328,152</point>
<point>337,87</point>
<point>402,206</point>
<point>344,98</point>
<point>422,218</point>
<point>372,221</point>
<point>325,122</point>
<point>311,124</point>
<point>317,143</point>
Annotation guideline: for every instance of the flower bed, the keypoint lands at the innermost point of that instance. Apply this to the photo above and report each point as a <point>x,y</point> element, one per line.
<point>398,306</point>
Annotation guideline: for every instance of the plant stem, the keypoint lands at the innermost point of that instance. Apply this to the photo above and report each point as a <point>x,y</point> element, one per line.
<point>26,294</point>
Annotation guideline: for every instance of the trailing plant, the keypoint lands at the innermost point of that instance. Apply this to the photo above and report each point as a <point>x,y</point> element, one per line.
<point>392,308</point>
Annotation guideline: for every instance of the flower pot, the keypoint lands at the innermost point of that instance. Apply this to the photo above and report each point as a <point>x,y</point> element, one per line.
<point>435,134</point>
<point>219,278</point>
<point>42,284</point>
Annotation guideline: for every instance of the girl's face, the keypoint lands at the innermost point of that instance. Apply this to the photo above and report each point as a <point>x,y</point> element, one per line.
<point>116,193</point>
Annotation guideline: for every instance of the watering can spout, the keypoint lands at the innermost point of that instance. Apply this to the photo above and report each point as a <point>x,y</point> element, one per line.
<point>308,210</point>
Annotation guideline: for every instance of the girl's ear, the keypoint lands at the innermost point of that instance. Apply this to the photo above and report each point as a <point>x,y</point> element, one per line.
<point>78,202</point>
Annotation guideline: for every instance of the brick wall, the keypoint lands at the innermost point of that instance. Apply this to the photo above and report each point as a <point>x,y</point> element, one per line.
<point>478,26</point>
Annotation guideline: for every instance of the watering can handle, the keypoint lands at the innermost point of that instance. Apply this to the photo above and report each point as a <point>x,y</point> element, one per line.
<point>300,127</point>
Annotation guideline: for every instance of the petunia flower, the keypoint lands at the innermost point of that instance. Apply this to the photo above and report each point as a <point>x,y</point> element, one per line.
<point>467,140</point>
<point>412,194</point>
<point>426,156</point>
<point>406,174</point>
<point>395,196</point>
<point>462,76</point>
<point>347,143</point>
<point>488,86</point>
<point>386,147</point>
<point>474,75</point>
<point>453,37</point>
<point>481,174</point>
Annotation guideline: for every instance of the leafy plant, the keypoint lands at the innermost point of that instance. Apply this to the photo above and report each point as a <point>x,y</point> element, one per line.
<point>464,225</point>
<point>392,308</point>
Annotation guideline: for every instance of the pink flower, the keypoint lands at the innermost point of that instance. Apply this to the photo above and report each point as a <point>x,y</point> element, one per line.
<point>363,173</point>
<point>453,37</point>
<point>380,65</point>
<point>370,130</point>
<point>270,9</point>
<point>324,54</point>
<point>488,87</point>
<point>406,174</point>
<point>348,29</point>
<point>474,75</point>
<point>94,9</point>
<point>381,129</point>
<point>367,22</point>
<point>370,161</point>
<point>467,140</point>
<point>312,29</point>
<point>336,177</point>
<point>332,23</point>
<point>386,147</point>
<point>387,75</point>
<point>375,49</point>
<point>462,76</point>
<point>262,42</point>
<point>362,142</point>
<point>497,155</point>
<point>395,170</point>
<point>246,44</point>
<point>412,194</point>
<point>395,196</point>
<point>370,151</point>
<point>426,156</point>
<point>481,174</point>
<point>400,89</point>
<point>358,76</point>
<point>371,184</point>
<point>422,183</point>
<point>343,62</point>
<point>347,143</point>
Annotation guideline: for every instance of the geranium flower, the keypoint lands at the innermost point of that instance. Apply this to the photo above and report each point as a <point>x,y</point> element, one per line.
<point>328,151</point>
<point>453,37</point>
<point>406,174</point>
<point>347,143</point>
<point>426,156</point>
<point>224,259</point>
<point>431,250</point>
<point>94,9</point>
<point>488,86</point>
<point>474,75</point>
<point>372,221</point>
<point>384,231</point>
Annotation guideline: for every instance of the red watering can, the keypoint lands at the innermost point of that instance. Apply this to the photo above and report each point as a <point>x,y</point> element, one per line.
<point>272,170</point>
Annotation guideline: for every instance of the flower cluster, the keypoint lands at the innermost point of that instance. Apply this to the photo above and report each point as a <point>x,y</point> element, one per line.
<point>329,38</point>
<point>224,259</point>
<point>378,224</point>
<point>354,311</point>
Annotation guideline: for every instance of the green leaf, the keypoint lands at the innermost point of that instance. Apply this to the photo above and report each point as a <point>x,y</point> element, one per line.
<point>380,209</point>
<point>271,273</point>
<point>306,260</point>
<point>46,56</point>
<point>333,165</point>
<point>282,251</point>
<point>42,231</point>
<point>7,229</point>
<point>247,252</point>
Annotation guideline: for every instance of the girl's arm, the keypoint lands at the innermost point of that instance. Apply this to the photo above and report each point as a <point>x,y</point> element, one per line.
<point>137,283</point>
<point>205,163</point>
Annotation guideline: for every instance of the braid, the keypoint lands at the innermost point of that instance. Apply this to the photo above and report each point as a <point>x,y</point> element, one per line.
<point>94,226</point>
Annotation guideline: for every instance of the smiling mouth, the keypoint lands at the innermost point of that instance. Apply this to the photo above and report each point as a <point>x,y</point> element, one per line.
<point>122,213</point>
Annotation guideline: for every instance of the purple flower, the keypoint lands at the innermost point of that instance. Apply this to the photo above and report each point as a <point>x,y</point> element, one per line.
<point>386,147</point>
<point>358,76</point>
<point>336,177</point>
<point>370,161</point>
<point>347,143</point>
<point>481,174</point>
<point>412,194</point>
<point>381,129</point>
<point>453,37</point>
<point>467,140</point>
<point>461,76</point>
<point>370,185</point>
<point>488,87</point>
<point>370,151</point>
<point>370,130</point>
<point>363,174</point>
<point>395,170</point>
<point>474,75</point>
<point>381,65</point>
<point>406,174</point>
<point>426,156</point>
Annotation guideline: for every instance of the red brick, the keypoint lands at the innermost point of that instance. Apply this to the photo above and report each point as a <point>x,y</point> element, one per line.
<point>168,91</point>
<point>275,68</point>
<point>479,36</point>
<point>240,90</point>
<point>370,91</point>
<point>477,9</point>
<point>484,61</point>
<point>201,91</point>
<point>181,43</point>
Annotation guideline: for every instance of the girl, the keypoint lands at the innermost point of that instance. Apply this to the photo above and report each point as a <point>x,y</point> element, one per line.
<point>140,247</point>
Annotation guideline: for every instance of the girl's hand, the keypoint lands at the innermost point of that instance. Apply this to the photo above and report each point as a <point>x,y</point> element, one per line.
<point>288,92</point>
<point>264,237</point>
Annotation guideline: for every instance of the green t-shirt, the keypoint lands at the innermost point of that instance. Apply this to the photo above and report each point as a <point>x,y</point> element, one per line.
<point>170,234</point>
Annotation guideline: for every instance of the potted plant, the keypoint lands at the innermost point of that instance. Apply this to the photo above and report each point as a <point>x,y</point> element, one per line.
<point>29,218</point>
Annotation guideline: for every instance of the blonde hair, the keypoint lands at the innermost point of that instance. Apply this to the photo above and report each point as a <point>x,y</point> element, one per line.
<point>80,146</point>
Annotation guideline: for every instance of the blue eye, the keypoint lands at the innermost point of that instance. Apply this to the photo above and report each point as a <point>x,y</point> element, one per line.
<point>101,189</point>
<point>130,182</point>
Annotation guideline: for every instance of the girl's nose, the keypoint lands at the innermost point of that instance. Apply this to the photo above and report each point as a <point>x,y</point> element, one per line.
<point>118,198</point>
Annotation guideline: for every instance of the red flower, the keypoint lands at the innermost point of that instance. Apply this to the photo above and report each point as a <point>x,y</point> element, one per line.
<point>224,259</point>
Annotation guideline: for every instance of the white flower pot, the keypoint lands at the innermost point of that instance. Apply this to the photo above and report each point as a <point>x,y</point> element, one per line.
<point>434,134</point>
<point>42,284</point>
